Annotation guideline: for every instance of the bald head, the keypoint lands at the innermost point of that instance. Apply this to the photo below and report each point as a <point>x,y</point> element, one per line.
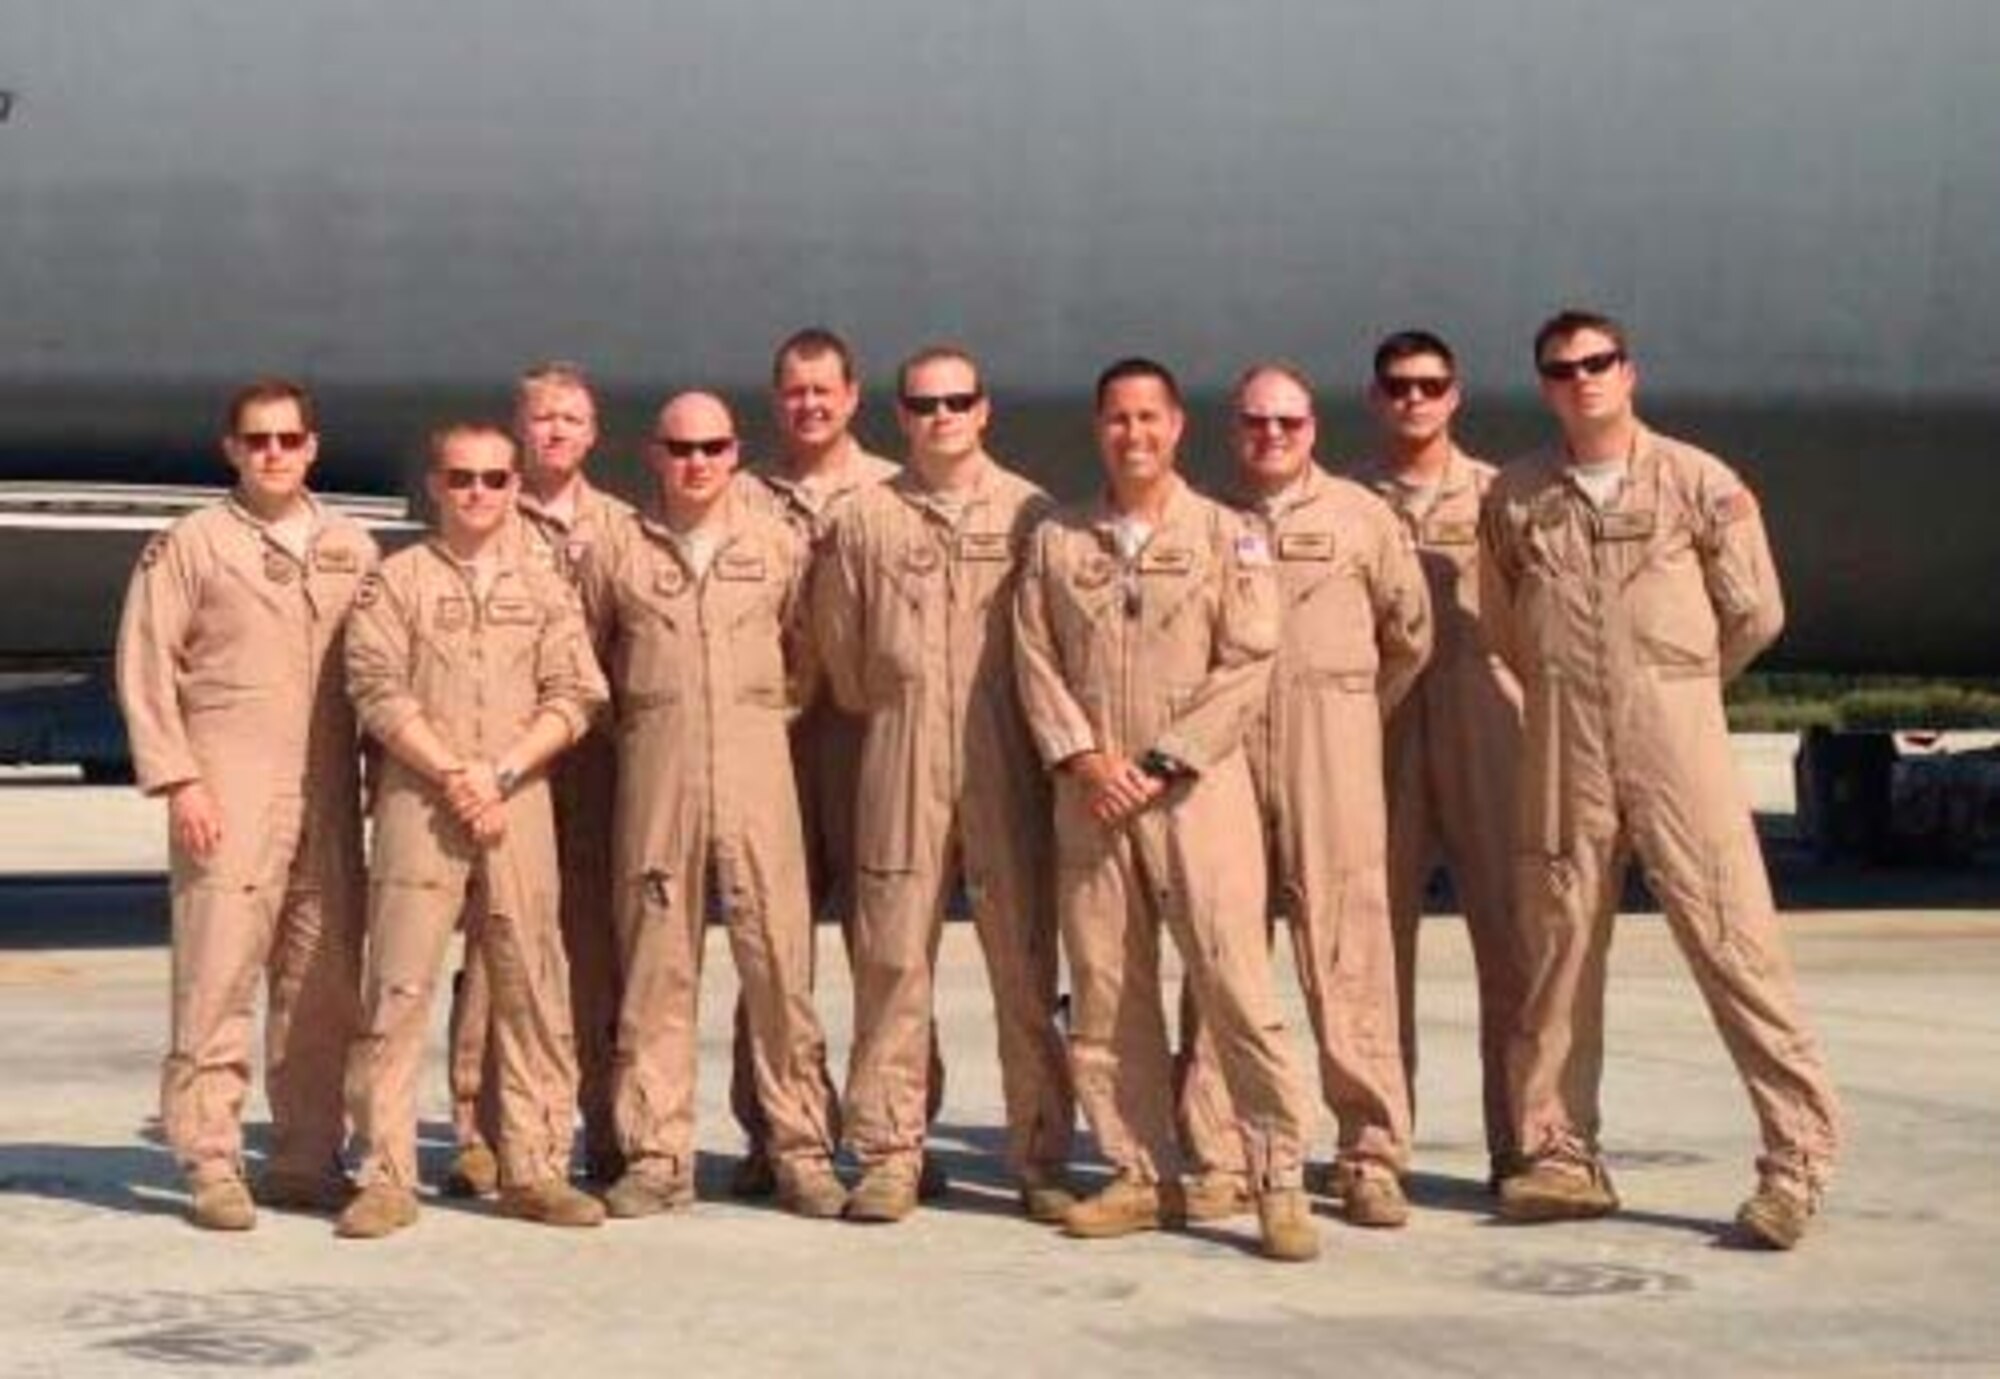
<point>693,452</point>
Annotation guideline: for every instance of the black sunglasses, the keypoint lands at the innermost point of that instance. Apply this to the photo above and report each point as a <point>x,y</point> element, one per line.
<point>930,406</point>
<point>687,450</point>
<point>1563,370</point>
<point>1261,421</point>
<point>461,479</point>
<point>254,441</point>
<point>1403,387</point>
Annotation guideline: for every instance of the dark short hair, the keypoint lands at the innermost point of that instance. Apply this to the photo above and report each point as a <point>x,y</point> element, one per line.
<point>936,354</point>
<point>472,430</point>
<point>272,388</point>
<point>814,342</point>
<point>1138,366</point>
<point>1412,344</point>
<point>1571,320</point>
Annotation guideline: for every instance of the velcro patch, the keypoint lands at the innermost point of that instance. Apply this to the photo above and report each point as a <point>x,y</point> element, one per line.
<point>369,593</point>
<point>1305,545</point>
<point>1625,526</point>
<point>279,568</point>
<point>1252,550</point>
<point>155,549</point>
<point>1734,507</point>
<point>336,560</point>
<point>1442,533</point>
<point>984,545</point>
<point>507,608</point>
<point>1095,571</point>
<point>1174,560</point>
<point>451,613</point>
<point>742,566</point>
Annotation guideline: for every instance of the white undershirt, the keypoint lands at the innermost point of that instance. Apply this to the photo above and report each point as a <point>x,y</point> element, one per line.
<point>1601,481</point>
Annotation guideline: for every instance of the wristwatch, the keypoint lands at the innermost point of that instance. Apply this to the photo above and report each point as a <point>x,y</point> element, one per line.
<point>506,777</point>
<point>1162,767</point>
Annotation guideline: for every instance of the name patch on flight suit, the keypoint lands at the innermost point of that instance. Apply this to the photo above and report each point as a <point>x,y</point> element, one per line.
<point>744,566</point>
<point>1175,560</point>
<point>984,545</point>
<point>452,613</point>
<point>279,568</point>
<point>510,608</point>
<point>336,560</point>
<point>1440,533</point>
<point>1624,526</point>
<point>1305,545</point>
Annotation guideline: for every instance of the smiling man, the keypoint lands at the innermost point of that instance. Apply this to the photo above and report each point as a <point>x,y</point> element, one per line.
<point>1627,579</point>
<point>1145,629</point>
<point>229,675</point>
<point>1356,630</point>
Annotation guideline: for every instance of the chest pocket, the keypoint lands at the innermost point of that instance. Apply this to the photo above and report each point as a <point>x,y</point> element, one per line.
<point>1173,582</point>
<point>1673,623</point>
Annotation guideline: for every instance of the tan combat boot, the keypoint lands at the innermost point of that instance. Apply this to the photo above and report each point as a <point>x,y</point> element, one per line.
<point>810,1188</point>
<point>887,1192</point>
<point>474,1172</point>
<point>1046,1193</point>
<point>1374,1199</point>
<point>288,1189</point>
<point>551,1202</point>
<point>222,1205</point>
<point>1285,1225</point>
<point>1774,1219</point>
<point>1558,1190</point>
<point>648,1192</point>
<point>380,1209</point>
<point>1217,1195</point>
<point>1124,1205</point>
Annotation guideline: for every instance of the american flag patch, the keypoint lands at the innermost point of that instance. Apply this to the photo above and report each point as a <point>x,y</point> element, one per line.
<point>1251,549</point>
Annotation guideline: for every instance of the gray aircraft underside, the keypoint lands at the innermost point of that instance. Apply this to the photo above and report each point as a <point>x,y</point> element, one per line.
<point>1795,204</point>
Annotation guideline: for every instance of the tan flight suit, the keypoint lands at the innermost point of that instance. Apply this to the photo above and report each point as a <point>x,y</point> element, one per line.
<point>913,603</point>
<point>1623,626</point>
<point>706,669</point>
<point>1453,758</point>
<point>826,757</point>
<point>229,673</point>
<point>1170,652</point>
<point>581,783</point>
<point>1356,631</point>
<point>477,669</point>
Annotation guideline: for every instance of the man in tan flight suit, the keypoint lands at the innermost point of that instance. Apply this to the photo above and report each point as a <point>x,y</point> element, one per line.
<point>1146,625</point>
<point>1627,578</point>
<point>702,606</point>
<point>1356,631</point>
<point>563,516</point>
<point>822,467</point>
<point>229,674</point>
<point>471,666</point>
<point>1454,745</point>
<point>913,614</point>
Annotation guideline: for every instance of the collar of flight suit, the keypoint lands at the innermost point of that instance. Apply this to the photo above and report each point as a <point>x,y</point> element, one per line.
<point>236,508</point>
<point>730,518</point>
<point>1642,473</point>
<point>508,559</point>
<point>1308,489</point>
<point>588,500</point>
<point>909,486</point>
<point>855,474</point>
<point>1454,479</point>
<point>1180,506</point>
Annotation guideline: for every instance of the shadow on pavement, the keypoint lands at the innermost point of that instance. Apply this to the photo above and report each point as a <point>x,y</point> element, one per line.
<point>84,910</point>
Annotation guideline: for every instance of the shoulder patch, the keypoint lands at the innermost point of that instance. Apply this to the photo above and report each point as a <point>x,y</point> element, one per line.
<point>369,592</point>
<point>1734,506</point>
<point>155,549</point>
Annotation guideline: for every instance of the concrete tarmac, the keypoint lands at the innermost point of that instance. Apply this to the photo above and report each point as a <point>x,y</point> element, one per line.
<point>100,1276</point>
